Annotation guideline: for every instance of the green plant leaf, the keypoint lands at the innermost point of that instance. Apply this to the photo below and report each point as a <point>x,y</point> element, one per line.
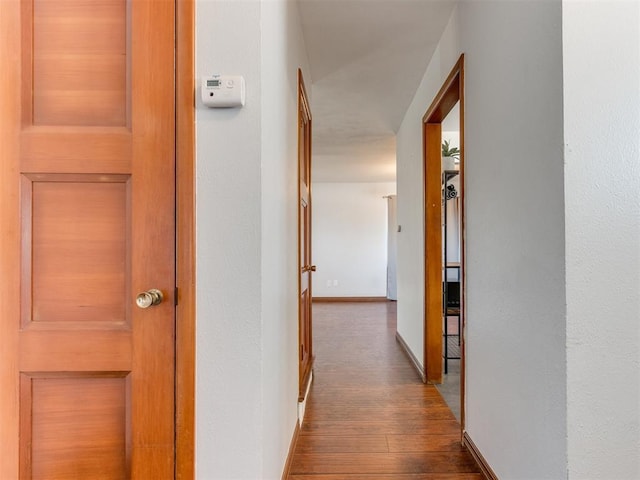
<point>448,151</point>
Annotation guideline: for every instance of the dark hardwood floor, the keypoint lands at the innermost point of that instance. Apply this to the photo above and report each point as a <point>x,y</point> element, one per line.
<point>369,416</point>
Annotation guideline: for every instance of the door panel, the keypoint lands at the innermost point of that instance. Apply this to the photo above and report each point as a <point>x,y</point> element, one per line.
<point>305,296</point>
<point>76,250</point>
<point>79,54</point>
<point>95,432</point>
<point>305,327</point>
<point>87,147</point>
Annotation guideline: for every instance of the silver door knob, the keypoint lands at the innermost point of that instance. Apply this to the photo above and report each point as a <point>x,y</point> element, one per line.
<point>149,298</point>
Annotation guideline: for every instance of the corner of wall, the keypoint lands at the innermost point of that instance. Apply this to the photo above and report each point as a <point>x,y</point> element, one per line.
<point>515,279</point>
<point>282,53</point>
<point>410,210</point>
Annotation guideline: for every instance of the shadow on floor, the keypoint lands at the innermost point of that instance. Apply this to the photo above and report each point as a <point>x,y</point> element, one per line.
<point>450,388</point>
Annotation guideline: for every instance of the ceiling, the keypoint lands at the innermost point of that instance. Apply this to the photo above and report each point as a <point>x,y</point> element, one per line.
<point>367,58</point>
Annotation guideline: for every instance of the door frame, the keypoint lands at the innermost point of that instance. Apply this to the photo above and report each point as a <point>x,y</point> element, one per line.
<point>304,377</point>
<point>451,92</point>
<point>185,241</point>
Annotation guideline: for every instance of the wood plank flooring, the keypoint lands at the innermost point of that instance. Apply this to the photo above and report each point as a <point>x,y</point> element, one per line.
<point>369,416</point>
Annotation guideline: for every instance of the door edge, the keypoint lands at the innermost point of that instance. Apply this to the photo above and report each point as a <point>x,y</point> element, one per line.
<point>185,239</point>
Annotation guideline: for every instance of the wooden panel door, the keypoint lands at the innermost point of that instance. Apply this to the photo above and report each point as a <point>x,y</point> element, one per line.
<point>305,324</point>
<point>87,148</point>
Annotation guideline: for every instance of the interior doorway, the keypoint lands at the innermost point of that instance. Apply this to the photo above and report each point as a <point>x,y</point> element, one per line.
<point>451,243</point>
<point>438,269</point>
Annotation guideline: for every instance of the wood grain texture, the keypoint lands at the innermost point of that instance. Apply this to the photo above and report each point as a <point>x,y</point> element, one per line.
<point>395,476</point>
<point>305,314</point>
<point>292,449</point>
<point>153,238</point>
<point>88,220</point>
<point>10,120</point>
<point>392,463</point>
<point>368,415</point>
<point>79,55</point>
<point>76,150</point>
<point>77,428</point>
<point>78,250</point>
<point>463,296</point>
<point>433,253</point>
<point>349,299</point>
<point>186,268</point>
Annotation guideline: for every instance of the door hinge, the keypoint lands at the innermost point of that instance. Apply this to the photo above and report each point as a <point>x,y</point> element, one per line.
<point>175,296</point>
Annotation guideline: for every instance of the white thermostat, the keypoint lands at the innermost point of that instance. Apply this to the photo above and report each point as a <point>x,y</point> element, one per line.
<point>223,91</point>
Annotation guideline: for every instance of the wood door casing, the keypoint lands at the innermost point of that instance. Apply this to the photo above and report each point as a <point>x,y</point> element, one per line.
<point>87,210</point>
<point>185,240</point>
<point>451,92</point>
<point>305,322</point>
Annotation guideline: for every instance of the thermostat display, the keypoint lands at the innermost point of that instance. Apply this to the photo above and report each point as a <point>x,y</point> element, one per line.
<point>223,91</point>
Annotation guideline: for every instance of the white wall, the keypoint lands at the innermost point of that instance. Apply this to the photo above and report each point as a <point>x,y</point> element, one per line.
<point>392,247</point>
<point>283,51</point>
<point>350,239</point>
<point>516,366</point>
<point>517,386</point>
<point>602,184</point>
<point>246,384</point>
<point>229,330</point>
<point>410,194</point>
<point>516,372</point>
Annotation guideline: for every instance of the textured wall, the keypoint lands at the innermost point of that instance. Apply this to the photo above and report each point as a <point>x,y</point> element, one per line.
<point>247,333</point>
<point>516,377</point>
<point>602,183</point>
<point>229,330</point>
<point>283,51</point>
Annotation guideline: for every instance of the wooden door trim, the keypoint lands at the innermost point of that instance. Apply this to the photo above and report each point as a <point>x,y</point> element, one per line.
<point>303,104</point>
<point>451,92</point>
<point>10,109</point>
<point>185,238</point>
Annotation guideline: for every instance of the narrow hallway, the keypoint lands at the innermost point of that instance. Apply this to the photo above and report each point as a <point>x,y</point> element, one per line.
<point>369,416</point>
